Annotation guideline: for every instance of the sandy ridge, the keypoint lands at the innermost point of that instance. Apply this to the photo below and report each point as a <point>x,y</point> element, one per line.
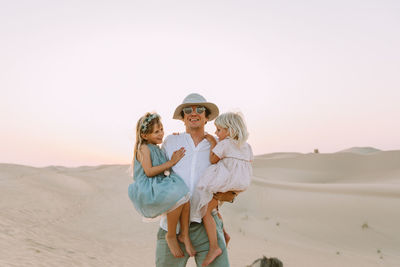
<point>304,210</point>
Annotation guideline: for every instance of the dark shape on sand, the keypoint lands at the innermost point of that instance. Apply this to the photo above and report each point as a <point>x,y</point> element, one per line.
<point>266,262</point>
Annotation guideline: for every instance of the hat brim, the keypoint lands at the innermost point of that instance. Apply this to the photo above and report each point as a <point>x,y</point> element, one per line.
<point>214,111</point>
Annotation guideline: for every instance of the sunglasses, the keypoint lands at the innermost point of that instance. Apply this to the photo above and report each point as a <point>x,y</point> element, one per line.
<point>189,110</point>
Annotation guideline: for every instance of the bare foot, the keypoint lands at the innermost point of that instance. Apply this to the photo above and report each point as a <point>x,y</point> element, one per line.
<point>211,255</point>
<point>174,246</point>
<point>227,237</point>
<point>188,245</point>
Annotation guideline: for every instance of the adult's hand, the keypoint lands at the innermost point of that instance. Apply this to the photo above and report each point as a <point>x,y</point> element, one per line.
<point>226,196</point>
<point>210,139</point>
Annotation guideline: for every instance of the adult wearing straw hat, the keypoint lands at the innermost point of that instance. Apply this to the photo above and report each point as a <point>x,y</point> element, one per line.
<point>195,111</point>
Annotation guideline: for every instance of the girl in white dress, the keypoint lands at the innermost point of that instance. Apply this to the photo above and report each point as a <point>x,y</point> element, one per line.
<point>230,171</point>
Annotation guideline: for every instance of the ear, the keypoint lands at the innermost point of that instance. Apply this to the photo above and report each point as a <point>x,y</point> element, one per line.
<point>144,136</point>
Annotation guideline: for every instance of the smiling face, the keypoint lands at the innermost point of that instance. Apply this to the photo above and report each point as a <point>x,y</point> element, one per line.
<point>156,137</point>
<point>222,133</point>
<point>194,121</point>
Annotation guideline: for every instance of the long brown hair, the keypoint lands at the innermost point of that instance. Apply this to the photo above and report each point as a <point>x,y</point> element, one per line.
<point>145,125</point>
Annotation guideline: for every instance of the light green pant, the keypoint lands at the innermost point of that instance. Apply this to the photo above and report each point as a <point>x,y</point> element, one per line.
<point>199,238</point>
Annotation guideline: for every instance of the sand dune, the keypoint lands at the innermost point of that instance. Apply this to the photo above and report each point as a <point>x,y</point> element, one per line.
<point>280,155</point>
<point>361,150</point>
<point>332,168</point>
<point>69,217</point>
<point>336,209</point>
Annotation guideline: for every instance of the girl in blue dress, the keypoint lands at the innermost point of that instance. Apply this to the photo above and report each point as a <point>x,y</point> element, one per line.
<point>156,188</point>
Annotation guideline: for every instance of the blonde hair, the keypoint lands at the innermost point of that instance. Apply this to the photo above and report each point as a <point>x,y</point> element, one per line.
<point>235,124</point>
<point>145,125</point>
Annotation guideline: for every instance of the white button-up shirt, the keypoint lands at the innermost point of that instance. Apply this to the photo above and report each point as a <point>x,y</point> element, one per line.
<point>190,168</point>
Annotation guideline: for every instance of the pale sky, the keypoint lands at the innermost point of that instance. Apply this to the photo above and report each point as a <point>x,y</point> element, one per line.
<point>75,76</point>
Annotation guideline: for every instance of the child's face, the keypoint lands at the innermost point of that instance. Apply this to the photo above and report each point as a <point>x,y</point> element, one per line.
<point>222,133</point>
<point>156,137</point>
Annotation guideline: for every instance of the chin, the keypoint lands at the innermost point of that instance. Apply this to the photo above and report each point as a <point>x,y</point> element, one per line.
<point>195,126</point>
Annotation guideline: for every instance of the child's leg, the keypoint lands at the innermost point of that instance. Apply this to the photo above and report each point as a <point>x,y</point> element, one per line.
<point>211,230</point>
<point>184,234</point>
<point>226,235</point>
<point>170,237</point>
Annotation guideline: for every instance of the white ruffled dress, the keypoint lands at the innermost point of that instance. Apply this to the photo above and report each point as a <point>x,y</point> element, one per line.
<point>232,173</point>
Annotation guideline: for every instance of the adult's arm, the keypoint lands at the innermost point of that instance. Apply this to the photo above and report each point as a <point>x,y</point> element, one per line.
<point>226,196</point>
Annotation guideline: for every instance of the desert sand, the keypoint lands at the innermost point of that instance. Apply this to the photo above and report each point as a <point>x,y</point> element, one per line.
<point>338,209</point>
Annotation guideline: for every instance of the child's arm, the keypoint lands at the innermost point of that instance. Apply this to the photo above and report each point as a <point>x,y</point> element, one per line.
<point>151,170</point>
<point>213,158</point>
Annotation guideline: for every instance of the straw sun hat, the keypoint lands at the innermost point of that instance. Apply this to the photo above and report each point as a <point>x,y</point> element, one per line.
<point>196,99</point>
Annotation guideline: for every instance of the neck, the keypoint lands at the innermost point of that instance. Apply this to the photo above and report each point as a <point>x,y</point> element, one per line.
<point>196,134</point>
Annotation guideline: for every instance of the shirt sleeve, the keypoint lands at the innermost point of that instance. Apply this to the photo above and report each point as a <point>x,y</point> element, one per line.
<point>219,149</point>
